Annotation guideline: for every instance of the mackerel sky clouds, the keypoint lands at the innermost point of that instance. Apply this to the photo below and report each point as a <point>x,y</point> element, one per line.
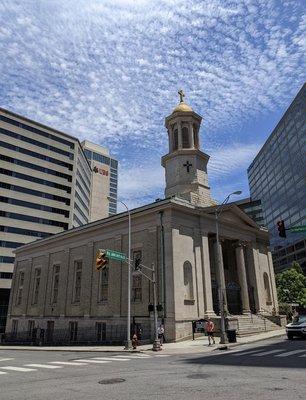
<point>109,71</point>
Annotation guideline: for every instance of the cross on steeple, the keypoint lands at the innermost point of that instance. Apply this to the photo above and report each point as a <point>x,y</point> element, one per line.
<point>182,95</point>
<point>187,165</point>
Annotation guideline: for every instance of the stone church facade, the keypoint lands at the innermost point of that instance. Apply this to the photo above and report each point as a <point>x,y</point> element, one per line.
<point>57,288</point>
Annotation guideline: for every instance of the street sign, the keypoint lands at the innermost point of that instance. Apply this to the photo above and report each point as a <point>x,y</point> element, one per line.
<point>297,229</point>
<point>115,255</point>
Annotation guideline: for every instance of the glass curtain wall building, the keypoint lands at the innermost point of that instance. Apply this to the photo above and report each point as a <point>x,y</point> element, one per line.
<point>277,178</point>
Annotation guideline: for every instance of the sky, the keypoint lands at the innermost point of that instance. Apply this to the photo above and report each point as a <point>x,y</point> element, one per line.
<point>109,71</point>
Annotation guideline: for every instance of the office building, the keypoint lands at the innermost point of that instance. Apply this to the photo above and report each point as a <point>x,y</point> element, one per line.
<point>252,208</point>
<point>46,187</point>
<point>103,201</point>
<point>277,178</point>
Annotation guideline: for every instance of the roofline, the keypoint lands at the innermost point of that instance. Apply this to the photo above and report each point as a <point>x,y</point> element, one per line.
<point>74,138</point>
<point>106,220</point>
<point>276,127</point>
<point>159,205</point>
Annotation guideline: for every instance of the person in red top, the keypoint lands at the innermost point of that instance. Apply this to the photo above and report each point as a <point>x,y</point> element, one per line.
<point>209,328</point>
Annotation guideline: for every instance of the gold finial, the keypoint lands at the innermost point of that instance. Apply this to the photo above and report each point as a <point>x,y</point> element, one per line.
<point>182,95</point>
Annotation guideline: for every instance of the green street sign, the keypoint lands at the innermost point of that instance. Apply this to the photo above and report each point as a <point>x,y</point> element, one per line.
<point>115,255</point>
<point>297,229</point>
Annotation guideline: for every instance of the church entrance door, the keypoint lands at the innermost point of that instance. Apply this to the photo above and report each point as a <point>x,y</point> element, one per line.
<point>233,298</point>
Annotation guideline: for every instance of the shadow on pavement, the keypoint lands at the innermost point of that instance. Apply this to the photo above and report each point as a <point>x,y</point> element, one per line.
<point>248,357</point>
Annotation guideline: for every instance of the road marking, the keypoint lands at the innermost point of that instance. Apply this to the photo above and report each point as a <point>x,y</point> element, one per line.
<point>43,366</point>
<point>66,363</point>
<point>304,355</point>
<point>6,359</point>
<point>3,373</point>
<point>245,353</point>
<point>134,356</point>
<point>92,361</point>
<point>111,359</point>
<point>19,369</point>
<point>162,355</point>
<point>265,353</point>
<point>289,353</point>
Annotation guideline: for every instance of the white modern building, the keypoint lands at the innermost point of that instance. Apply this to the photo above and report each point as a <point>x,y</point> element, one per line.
<point>45,188</point>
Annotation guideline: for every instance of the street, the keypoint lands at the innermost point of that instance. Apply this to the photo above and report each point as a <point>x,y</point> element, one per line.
<point>271,369</point>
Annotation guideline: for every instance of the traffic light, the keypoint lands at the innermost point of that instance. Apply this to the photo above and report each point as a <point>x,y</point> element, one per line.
<point>137,262</point>
<point>281,228</point>
<point>101,259</point>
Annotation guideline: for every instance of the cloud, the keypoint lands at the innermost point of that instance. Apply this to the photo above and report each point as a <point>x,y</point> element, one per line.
<point>109,71</point>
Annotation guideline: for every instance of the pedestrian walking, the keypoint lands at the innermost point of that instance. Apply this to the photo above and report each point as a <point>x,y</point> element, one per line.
<point>209,329</point>
<point>161,334</point>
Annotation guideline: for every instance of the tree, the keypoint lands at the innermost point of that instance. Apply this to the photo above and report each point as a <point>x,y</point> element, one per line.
<point>291,286</point>
<point>297,267</point>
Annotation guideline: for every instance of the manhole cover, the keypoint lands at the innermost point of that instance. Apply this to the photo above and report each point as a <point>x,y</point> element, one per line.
<point>198,376</point>
<point>111,381</point>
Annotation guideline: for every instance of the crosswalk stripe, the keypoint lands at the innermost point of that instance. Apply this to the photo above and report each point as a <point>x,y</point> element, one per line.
<point>3,373</point>
<point>92,361</point>
<point>111,359</point>
<point>162,355</point>
<point>304,355</point>
<point>19,369</point>
<point>43,366</point>
<point>245,353</point>
<point>6,359</point>
<point>134,356</point>
<point>66,363</point>
<point>265,353</point>
<point>289,353</point>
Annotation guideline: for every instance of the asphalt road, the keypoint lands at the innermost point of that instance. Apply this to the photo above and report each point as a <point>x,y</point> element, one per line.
<point>274,369</point>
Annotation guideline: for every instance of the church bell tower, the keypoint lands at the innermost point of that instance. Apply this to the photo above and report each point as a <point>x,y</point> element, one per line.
<point>185,165</point>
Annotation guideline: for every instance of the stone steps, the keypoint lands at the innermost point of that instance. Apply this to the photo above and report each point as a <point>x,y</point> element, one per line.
<point>248,325</point>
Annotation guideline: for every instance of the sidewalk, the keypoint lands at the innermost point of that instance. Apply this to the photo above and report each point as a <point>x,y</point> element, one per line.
<point>198,345</point>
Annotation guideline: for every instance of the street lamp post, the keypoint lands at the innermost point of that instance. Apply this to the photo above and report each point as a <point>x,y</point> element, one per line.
<point>128,344</point>
<point>222,289</point>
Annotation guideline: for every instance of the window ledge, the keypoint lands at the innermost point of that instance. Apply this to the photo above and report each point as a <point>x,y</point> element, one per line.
<point>189,302</point>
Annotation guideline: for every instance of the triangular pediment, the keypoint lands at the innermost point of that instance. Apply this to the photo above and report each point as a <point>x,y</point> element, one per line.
<point>235,215</point>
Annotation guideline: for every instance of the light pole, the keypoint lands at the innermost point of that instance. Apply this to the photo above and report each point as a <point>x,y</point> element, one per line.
<point>128,344</point>
<point>222,289</point>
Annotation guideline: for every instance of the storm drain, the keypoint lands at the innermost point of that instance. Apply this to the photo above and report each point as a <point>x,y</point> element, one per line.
<point>111,381</point>
<point>198,376</point>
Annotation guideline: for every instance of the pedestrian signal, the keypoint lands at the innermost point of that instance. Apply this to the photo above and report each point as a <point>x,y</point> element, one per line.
<point>281,228</point>
<point>101,259</point>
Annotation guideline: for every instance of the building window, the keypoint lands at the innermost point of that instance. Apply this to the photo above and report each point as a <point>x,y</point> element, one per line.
<point>185,138</point>
<point>37,273</point>
<point>73,331</point>
<point>20,288</point>
<point>31,329</point>
<point>101,331</point>
<point>55,284</point>
<point>188,281</point>
<point>103,292</point>
<point>50,331</point>
<point>77,281</point>
<point>14,327</point>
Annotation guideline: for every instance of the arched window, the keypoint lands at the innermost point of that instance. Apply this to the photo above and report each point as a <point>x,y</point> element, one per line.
<point>195,136</point>
<point>188,281</point>
<point>267,289</point>
<point>185,138</point>
<point>175,139</point>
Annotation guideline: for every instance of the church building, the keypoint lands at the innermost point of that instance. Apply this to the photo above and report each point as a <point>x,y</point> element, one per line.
<point>57,288</point>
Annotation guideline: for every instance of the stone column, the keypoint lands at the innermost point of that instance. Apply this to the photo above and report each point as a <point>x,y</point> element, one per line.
<point>191,135</point>
<point>242,279</point>
<point>206,276</point>
<point>179,136</point>
<point>171,146</point>
<point>220,273</point>
<point>252,262</point>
